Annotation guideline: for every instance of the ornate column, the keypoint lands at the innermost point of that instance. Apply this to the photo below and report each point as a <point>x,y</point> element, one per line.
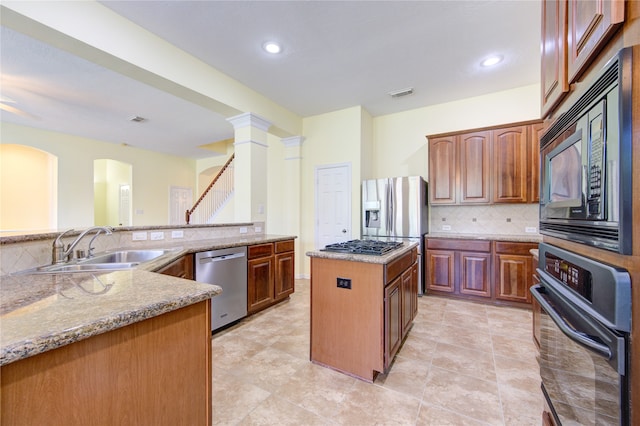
<point>250,167</point>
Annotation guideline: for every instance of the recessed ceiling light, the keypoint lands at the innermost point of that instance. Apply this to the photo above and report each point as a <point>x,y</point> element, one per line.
<point>272,47</point>
<point>137,119</point>
<point>491,61</point>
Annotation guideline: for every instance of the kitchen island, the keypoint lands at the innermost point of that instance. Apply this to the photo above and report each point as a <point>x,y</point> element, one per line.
<point>126,347</point>
<point>362,308</point>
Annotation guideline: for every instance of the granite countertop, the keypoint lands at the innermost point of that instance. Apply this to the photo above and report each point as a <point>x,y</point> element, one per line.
<point>40,312</point>
<point>365,258</point>
<point>524,238</point>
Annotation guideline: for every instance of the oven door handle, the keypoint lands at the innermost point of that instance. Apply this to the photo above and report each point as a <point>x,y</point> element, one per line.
<point>569,331</point>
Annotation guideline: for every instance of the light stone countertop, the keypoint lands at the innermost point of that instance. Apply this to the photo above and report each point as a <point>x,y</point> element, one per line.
<point>365,258</point>
<point>40,312</point>
<point>524,238</point>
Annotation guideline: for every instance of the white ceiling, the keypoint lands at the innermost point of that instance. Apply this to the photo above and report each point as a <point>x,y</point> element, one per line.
<point>337,54</point>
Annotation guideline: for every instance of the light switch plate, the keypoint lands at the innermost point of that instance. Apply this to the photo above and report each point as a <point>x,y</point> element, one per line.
<point>446,227</point>
<point>531,229</point>
<point>243,230</point>
<point>258,228</point>
<point>177,234</point>
<point>139,236</point>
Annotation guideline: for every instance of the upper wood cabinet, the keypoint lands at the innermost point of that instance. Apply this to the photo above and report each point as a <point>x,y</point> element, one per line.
<point>553,82</point>
<point>483,166</point>
<point>573,32</point>
<point>442,170</point>
<point>510,165</point>
<point>590,24</point>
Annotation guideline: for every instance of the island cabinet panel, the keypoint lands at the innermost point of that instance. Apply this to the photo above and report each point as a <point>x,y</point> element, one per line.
<point>347,325</point>
<point>154,372</point>
<point>359,317</point>
<point>270,274</point>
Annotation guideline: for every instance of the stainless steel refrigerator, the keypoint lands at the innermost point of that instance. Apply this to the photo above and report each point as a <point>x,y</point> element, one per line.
<point>396,209</point>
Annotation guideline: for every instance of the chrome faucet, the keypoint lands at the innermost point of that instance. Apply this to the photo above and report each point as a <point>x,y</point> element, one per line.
<point>60,255</point>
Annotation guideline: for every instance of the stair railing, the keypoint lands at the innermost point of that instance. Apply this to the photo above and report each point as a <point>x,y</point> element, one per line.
<point>214,196</point>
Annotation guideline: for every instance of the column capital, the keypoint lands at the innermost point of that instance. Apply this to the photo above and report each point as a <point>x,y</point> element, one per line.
<point>249,119</point>
<point>292,141</point>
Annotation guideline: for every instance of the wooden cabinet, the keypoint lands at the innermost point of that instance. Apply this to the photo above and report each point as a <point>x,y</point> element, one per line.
<point>181,268</point>
<point>361,312</point>
<point>533,177</point>
<point>573,32</point>
<point>510,155</point>
<point>152,372</point>
<point>484,166</point>
<point>494,271</point>
<point>270,274</point>
<point>553,83</point>
<point>513,271</point>
<point>590,24</point>
<point>459,267</point>
<point>393,318</point>
<point>443,169</point>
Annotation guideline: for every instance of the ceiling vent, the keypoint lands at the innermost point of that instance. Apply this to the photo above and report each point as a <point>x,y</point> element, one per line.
<point>400,93</point>
<point>137,119</point>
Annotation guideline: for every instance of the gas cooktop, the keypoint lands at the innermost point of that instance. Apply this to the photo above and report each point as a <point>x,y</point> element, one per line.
<point>373,247</point>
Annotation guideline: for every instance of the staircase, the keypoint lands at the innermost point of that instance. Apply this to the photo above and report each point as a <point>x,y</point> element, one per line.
<point>214,197</point>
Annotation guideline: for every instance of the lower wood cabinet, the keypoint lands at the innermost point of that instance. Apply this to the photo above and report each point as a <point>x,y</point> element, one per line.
<point>496,271</point>
<point>181,268</point>
<point>270,274</point>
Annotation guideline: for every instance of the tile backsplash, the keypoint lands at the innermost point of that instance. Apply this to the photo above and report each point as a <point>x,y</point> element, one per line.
<point>507,219</point>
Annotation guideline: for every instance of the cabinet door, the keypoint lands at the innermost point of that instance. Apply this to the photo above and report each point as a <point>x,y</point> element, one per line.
<point>392,320</point>
<point>440,270</point>
<point>407,301</point>
<point>259,283</point>
<point>590,25</point>
<point>553,82</point>
<point>475,274</point>
<point>513,277</point>
<point>284,278</point>
<point>474,167</point>
<point>510,165</point>
<point>442,170</point>
<point>534,133</point>
<point>181,268</point>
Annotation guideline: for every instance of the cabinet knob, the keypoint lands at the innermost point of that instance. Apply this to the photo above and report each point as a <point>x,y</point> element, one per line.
<point>344,231</point>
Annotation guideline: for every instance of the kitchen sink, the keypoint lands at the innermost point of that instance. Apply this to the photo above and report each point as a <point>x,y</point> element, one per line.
<point>106,261</point>
<point>124,257</point>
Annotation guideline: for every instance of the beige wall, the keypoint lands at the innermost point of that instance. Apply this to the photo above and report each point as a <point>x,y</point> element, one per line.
<point>153,174</point>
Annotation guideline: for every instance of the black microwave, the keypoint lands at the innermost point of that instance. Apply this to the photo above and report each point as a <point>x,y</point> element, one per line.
<point>586,164</point>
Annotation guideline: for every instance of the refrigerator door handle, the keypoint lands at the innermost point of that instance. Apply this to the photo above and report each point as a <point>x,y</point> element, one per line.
<point>390,211</point>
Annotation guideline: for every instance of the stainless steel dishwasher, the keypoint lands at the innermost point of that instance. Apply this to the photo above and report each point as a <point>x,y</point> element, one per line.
<point>228,269</point>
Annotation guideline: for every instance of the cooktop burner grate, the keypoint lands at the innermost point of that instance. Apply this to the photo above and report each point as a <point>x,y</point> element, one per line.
<point>372,247</point>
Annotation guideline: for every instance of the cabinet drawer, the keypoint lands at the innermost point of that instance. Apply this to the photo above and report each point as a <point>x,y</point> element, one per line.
<point>514,248</point>
<point>282,246</point>
<point>260,250</point>
<point>397,266</point>
<point>466,245</point>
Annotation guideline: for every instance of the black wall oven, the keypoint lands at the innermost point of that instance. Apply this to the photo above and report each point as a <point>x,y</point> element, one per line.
<point>586,176</point>
<point>584,338</point>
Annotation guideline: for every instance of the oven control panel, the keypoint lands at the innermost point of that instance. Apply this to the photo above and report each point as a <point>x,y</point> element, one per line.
<point>573,276</point>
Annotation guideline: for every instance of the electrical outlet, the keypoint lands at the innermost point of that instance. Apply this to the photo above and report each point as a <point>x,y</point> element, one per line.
<point>344,283</point>
<point>258,229</point>
<point>243,230</point>
<point>155,236</point>
<point>177,234</point>
<point>139,236</point>
<point>531,229</point>
<point>446,227</point>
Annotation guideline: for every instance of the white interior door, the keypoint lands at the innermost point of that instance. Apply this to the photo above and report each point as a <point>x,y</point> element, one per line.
<point>333,204</point>
<point>180,200</point>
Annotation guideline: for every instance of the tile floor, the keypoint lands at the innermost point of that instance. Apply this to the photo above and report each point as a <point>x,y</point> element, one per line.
<point>462,364</point>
